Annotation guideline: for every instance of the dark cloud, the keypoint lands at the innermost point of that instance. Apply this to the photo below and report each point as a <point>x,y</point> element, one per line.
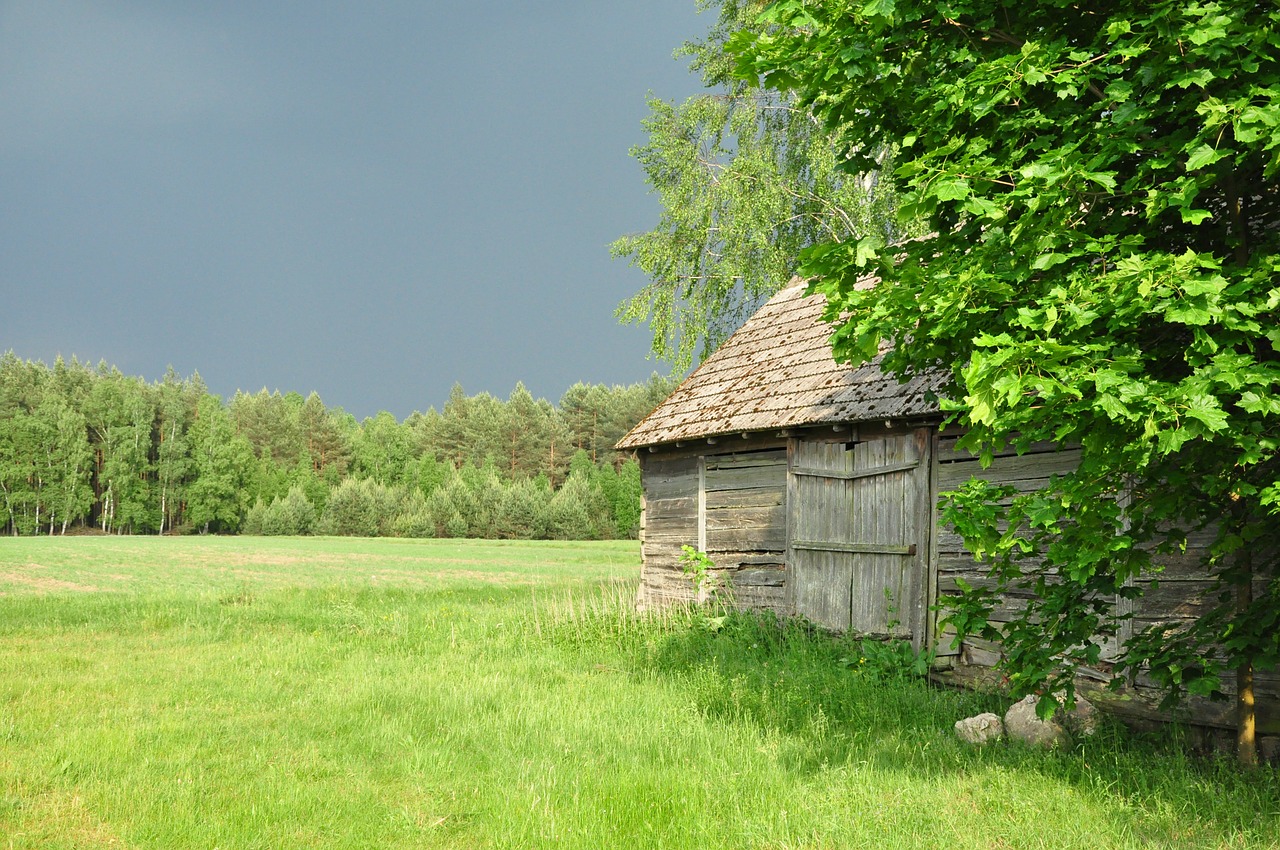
<point>371,201</point>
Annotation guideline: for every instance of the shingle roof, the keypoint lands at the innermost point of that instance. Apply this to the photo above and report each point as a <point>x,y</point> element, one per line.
<point>777,371</point>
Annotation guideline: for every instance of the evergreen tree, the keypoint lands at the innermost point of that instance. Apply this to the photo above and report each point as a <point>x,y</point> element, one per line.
<point>452,438</point>
<point>523,511</point>
<point>522,435</point>
<point>557,445</point>
<point>580,510</point>
<point>271,423</point>
<point>361,508</point>
<point>453,506</point>
<point>414,518</point>
<point>253,518</point>
<point>328,448</point>
<point>290,515</point>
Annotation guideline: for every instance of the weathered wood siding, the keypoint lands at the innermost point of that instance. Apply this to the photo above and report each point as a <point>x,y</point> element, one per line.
<point>859,516</point>
<point>668,520</point>
<point>733,507</point>
<point>744,523</point>
<point>1176,598</point>
<point>953,561</point>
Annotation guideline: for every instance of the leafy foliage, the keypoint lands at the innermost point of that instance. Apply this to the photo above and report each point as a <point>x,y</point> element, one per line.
<point>747,178</point>
<point>1100,185</point>
<point>82,446</point>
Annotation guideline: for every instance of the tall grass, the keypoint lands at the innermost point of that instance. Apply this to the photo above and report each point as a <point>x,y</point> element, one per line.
<point>444,707</point>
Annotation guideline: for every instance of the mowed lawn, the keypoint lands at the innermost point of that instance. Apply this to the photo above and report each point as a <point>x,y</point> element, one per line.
<point>344,693</point>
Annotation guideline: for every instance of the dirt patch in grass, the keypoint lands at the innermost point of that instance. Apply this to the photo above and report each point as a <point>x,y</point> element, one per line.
<point>55,816</point>
<point>231,559</point>
<point>423,577</point>
<point>44,584</point>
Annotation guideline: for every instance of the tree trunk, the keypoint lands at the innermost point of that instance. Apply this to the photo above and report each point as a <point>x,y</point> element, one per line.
<point>1246,718</point>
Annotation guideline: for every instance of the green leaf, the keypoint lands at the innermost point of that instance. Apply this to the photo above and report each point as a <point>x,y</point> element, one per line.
<point>980,410</point>
<point>1043,172</point>
<point>1192,312</point>
<point>1202,156</point>
<point>1115,29</point>
<point>951,189</point>
<point>1210,31</point>
<point>1205,409</point>
<point>868,249</point>
<point>1252,402</point>
<point>1199,77</point>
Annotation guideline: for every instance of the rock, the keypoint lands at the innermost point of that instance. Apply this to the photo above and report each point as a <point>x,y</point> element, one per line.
<point>1022,724</point>
<point>1081,721</point>
<point>980,729</point>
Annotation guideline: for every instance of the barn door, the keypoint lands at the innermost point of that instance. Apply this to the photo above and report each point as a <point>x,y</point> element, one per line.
<point>859,522</point>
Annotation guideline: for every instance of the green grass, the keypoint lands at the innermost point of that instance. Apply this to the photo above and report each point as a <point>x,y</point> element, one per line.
<point>264,693</point>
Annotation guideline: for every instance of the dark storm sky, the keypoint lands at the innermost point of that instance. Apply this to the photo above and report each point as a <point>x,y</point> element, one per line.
<point>369,200</point>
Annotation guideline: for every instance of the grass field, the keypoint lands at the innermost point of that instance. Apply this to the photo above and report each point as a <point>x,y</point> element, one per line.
<point>340,693</point>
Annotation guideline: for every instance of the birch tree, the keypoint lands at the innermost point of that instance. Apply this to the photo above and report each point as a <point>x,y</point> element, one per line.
<point>747,177</point>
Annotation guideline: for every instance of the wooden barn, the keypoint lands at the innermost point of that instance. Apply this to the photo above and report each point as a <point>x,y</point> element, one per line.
<point>813,487</point>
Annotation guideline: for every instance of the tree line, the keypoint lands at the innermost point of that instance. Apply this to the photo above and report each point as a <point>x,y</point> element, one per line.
<point>87,447</point>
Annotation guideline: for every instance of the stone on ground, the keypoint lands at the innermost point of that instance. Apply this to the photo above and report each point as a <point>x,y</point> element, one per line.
<point>1022,724</point>
<point>980,729</point>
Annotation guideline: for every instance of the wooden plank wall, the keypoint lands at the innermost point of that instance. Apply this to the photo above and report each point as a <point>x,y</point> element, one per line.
<point>1172,598</point>
<point>872,495</point>
<point>1175,597</point>
<point>821,588</point>
<point>1025,472</point>
<point>745,518</point>
<point>668,520</point>
<point>733,506</point>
